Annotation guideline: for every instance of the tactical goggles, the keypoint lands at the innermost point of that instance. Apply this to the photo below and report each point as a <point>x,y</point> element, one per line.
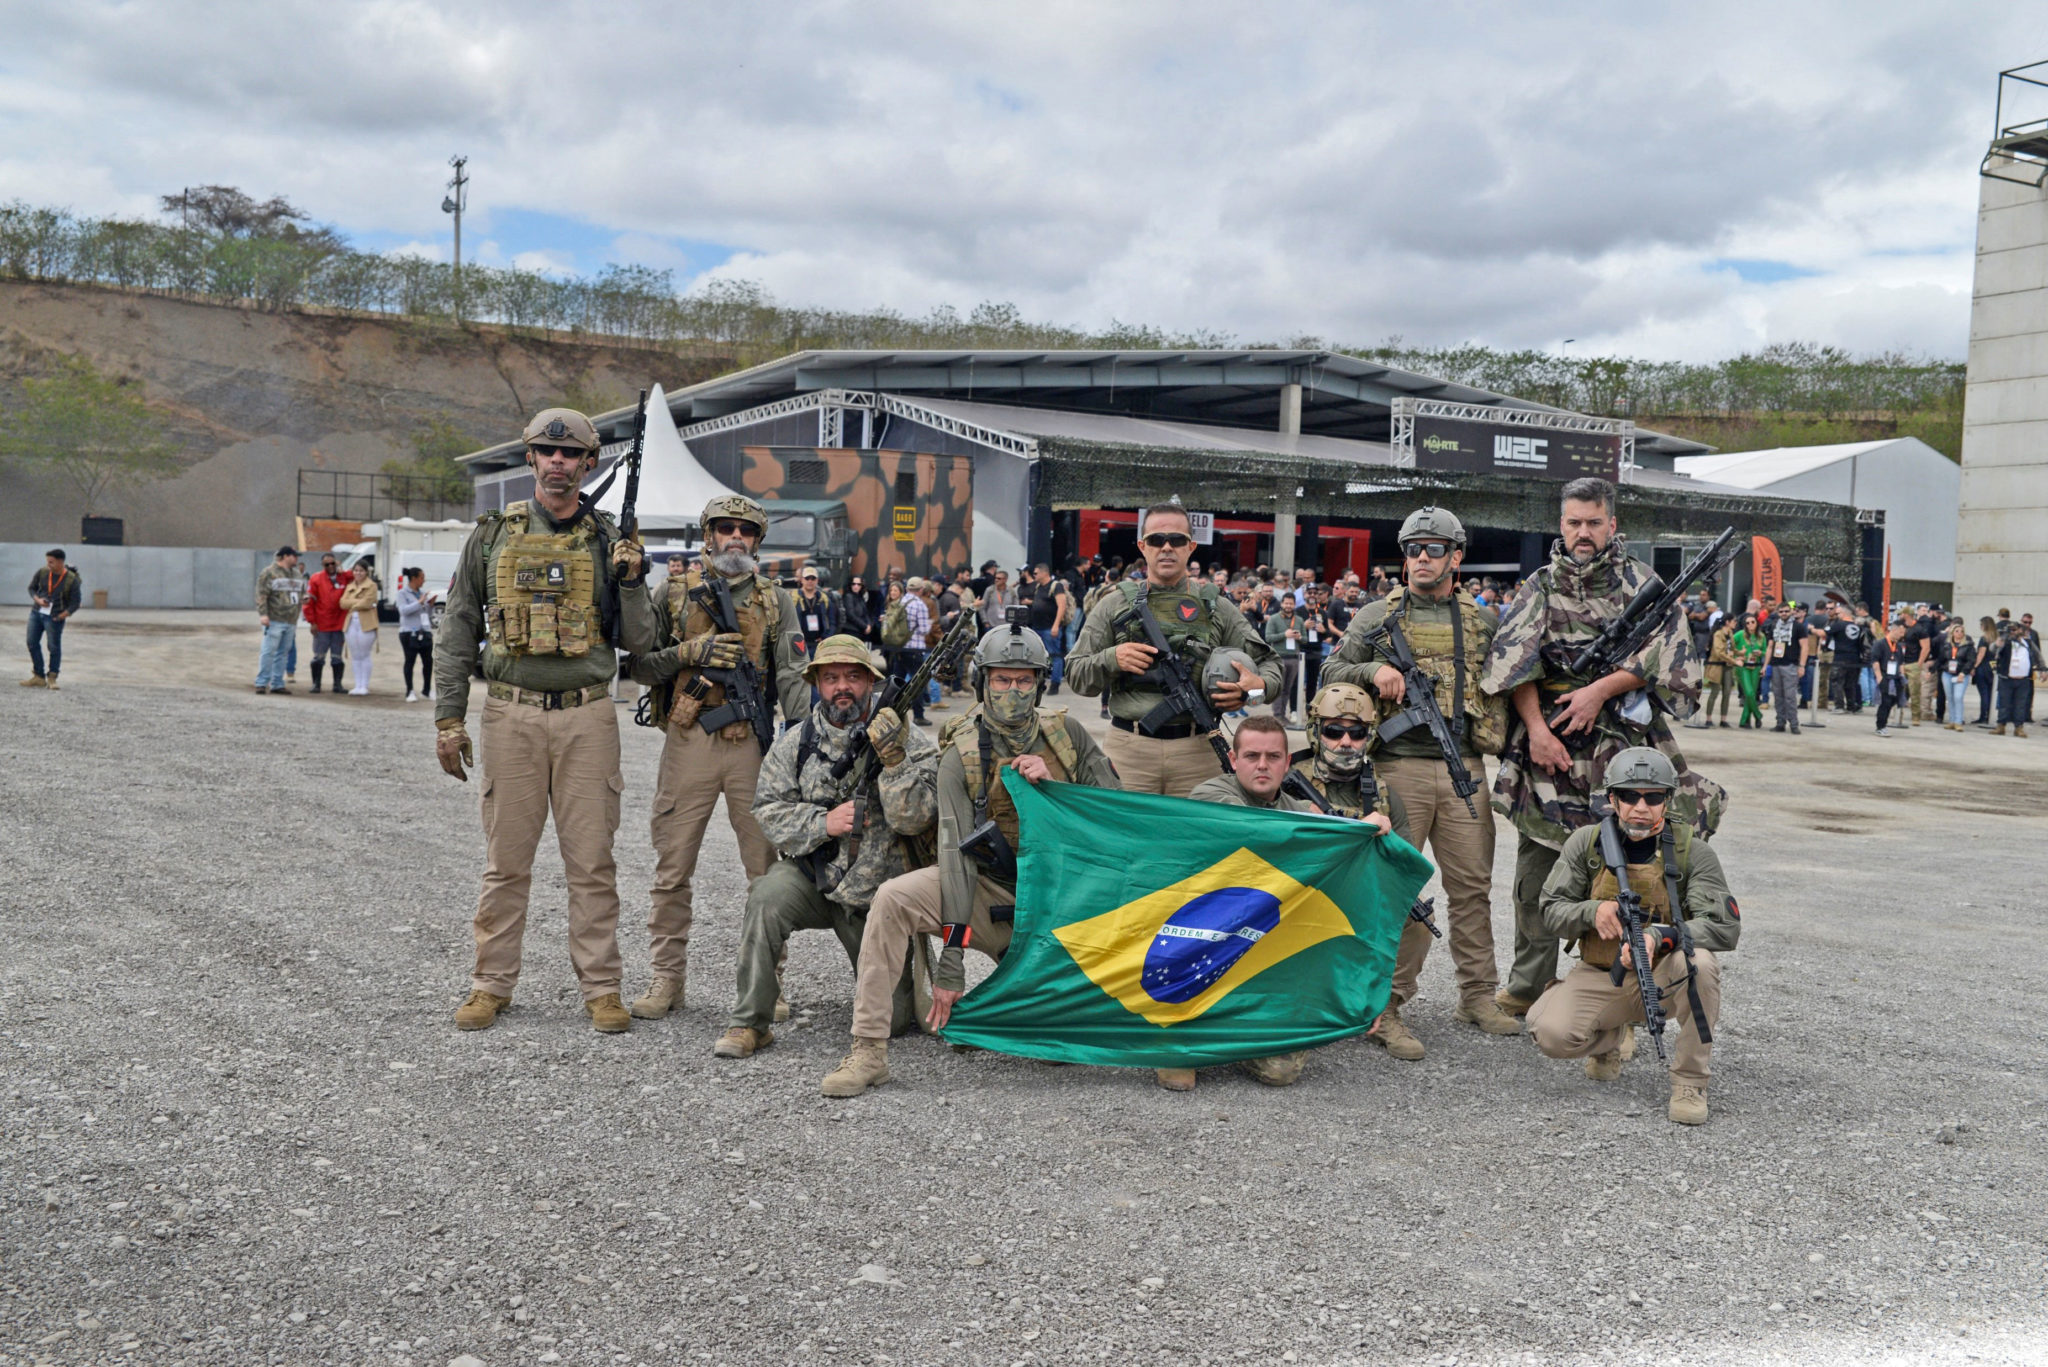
<point>1638,797</point>
<point>1345,730</point>
<point>731,526</point>
<point>1433,550</point>
<point>1161,540</point>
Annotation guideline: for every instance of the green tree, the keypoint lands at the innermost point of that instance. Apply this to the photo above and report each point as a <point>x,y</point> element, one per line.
<point>430,475</point>
<point>93,430</point>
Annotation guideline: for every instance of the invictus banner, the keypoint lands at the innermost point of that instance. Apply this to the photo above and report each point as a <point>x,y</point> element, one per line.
<point>1488,448</point>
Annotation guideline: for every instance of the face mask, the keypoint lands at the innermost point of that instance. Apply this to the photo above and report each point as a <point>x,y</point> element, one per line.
<point>1010,712</point>
<point>1341,763</point>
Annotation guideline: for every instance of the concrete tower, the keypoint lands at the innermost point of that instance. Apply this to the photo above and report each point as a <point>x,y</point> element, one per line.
<point>2002,534</point>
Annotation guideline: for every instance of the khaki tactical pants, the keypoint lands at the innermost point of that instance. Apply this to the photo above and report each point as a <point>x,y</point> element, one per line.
<point>1535,947</point>
<point>781,902</point>
<point>695,770</point>
<point>1586,1013</point>
<point>909,905</point>
<point>534,761</point>
<point>1916,683</point>
<point>1168,767</point>
<point>1462,847</point>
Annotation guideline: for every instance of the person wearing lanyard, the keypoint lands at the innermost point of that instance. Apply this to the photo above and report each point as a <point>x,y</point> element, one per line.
<point>816,614</point>
<point>1888,659</point>
<point>1789,648</point>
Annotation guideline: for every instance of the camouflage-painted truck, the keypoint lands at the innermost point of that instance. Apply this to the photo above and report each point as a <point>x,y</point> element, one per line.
<point>860,512</point>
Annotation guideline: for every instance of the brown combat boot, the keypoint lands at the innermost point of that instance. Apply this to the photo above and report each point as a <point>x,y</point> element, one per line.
<point>1604,1067</point>
<point>663,995</point>
<point>1688,1104</point>
<point>742,1041</point>
<point>2019,728</point>
<point>1998,730</point>
<point>1281,1070</point>
<point>40,682</point>
<point>866,1066</point>
<point>479,1010</point>
<point>781,1009</point>
<point>607,1016</point>
<point>1176,1079</point>
<point>1392,1034</point>
<point>1485,1013</point>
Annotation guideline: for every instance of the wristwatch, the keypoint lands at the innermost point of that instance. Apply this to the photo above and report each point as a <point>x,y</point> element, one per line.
<point>1255,696</point>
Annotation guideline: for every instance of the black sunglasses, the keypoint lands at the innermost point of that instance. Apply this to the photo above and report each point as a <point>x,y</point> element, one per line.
<point>1633,797</point>
<point>1416,550</point>
<point>1339,730</point>
<point>727,526</point>
<point>1160,540</point>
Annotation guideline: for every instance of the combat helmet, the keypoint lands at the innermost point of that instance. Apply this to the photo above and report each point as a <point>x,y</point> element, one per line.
<point>562,427</point>
<point>1432,521</point>
<point>1342,700</point>
<point>1010,647</point>
<point>1221,668</point>
<point>841,650</point>
<point>739,508</point>
<point>1641,767</point>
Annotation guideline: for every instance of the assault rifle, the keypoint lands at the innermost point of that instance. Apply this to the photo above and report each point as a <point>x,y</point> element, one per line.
<point>1625,636</point>
<point>900,695</point>
<point>1419,708</point>
<point>1632,926</point>
<point>1423,912</point>
<point>745,699</point>
<point>629,519</point>
<point>1170,673</point>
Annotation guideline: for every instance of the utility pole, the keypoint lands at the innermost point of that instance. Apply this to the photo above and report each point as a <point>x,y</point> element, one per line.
<point>454,202</point>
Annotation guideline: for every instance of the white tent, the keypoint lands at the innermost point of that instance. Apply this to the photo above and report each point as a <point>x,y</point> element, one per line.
<point>673,487</point>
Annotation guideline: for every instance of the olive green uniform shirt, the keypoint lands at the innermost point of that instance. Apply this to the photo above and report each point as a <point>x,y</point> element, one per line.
<point>789,687</point>
<point>1229,791</point>
<point>1357,659</point>
<point>1092,669</point>
<point>1568,905</point>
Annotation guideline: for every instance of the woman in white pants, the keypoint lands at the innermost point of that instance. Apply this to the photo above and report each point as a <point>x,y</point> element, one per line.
<point>359,601</point>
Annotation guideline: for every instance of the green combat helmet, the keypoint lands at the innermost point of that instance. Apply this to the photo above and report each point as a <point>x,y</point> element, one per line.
<point>1011,647</point>
<point>1222,669</point>
<point>1432,522</point>
<point>739,508</point>
<point>561,427</point>
<point>1641,767</point>
<point>840,650</point>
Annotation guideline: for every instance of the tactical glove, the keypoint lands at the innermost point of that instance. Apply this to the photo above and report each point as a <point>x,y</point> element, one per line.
<point>712,650</point>
<point>627,561</point>
<point>885,733</point>
<point>452,747</point>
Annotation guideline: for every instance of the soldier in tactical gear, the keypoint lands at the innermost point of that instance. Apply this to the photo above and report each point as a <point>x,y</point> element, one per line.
<point>1563,731</point>
<point>1111,658</point>
<point>968,898</point>
<point>542,578</point>
<point>1591,1016</point>
<point>1449,631</point>
<point>705,753</point>
<point>840,835</point>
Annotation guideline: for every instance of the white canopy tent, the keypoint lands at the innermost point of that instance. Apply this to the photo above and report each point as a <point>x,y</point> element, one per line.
<point>673,487</point>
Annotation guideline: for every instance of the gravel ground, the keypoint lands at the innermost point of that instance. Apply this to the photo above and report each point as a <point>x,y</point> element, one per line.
<point>236,1125</point>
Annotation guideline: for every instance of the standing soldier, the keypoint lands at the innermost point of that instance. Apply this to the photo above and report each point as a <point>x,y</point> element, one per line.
<point>718,622</point>
<point>1165,755</point>
<point>1449,632</point>
<point>543,577</point>
<point>970,896</point>
<point>1591,1015</point>
<point>841,835</point>
<point>1564,731</point>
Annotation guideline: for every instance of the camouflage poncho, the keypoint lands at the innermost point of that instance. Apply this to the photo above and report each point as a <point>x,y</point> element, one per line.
<point>1566,601</point>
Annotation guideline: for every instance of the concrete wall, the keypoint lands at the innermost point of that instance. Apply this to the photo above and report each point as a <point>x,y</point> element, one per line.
<point>1919,489</point>
<point>2002,527</point>
<point>144,576</point>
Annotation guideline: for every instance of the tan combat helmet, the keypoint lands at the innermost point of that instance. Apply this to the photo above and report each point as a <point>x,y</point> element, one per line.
<point>1641,767</point>
<point>840,650</point>
<point>739,508</point>
<point>562,427</point>
<point>1432,521</point>
<point>1342,700</point>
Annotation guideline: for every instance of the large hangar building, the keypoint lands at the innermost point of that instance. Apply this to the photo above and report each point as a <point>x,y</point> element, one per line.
<point>1306,458</point>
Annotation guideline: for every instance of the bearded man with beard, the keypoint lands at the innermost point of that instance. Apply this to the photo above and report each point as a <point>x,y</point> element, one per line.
<point>1449,632</point>
<point>1591,1014</point>
<point>841,835</point>
<point>966,902</point>
<point>1566,729</point>
<point>703,757</point>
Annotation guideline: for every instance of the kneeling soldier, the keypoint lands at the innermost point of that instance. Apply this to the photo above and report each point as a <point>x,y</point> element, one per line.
<point>841,833</point>
<point>969,897</point>
<point>1259,758</point>
<point>1591,1013</point>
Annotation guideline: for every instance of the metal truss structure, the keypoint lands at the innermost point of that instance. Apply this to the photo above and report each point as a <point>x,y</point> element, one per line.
<point>1405,410</point>
<point>833,405</point>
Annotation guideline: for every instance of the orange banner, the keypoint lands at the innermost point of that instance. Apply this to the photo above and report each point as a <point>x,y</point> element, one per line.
<point>1766,575</point>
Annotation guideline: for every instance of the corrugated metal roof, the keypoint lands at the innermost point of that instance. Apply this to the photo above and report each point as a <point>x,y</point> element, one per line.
<point>1119,429</point>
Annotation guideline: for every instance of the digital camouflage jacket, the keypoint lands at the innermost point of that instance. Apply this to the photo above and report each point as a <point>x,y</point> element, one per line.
<point>1568,602</point>
<point>790,806</point>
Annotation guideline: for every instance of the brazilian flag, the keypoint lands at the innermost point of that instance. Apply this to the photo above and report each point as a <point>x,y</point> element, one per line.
<point>1161,933</point>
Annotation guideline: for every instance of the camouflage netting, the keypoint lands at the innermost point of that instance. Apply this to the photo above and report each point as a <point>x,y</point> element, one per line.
<point>1083,474</point>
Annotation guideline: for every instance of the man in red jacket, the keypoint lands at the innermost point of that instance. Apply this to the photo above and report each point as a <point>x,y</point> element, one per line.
<point>323,612</point>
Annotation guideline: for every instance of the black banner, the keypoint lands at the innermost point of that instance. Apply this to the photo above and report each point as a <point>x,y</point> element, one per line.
<point>1491,448</point>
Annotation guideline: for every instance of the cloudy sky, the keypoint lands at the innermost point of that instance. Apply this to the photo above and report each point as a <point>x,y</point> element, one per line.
<point>1663,180</point>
